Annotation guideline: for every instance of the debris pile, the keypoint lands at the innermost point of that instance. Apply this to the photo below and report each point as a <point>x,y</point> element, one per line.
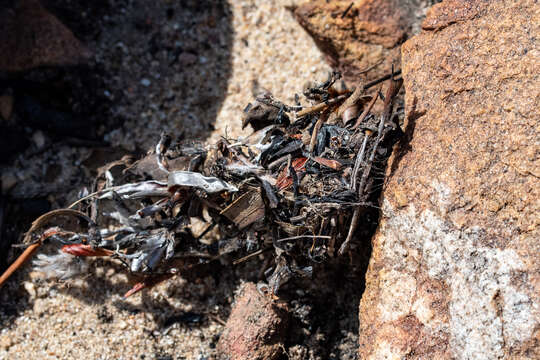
<point>295,189</point>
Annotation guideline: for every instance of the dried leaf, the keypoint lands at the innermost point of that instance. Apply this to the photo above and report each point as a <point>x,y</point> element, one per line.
<point>245,210</point>
<point>208,184</point>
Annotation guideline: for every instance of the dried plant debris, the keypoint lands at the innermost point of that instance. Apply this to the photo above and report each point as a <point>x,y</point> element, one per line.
<point>294,190</point>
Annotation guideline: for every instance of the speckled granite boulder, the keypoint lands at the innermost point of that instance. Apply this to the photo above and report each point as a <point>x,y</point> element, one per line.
<point>256,327</point>
<point>455,269</point>
<point>367,34</point>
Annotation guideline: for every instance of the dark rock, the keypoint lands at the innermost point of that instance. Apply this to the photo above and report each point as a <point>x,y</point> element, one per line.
<point>33,37</point>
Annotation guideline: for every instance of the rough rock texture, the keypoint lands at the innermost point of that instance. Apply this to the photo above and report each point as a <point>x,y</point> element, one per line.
<point>32,37</point>
<point>368,34</point>
<point>455,269</point>
<point>256,327</point>
<point>451,11</point>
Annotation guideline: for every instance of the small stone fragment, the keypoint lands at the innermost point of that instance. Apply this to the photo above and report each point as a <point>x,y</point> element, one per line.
<point>6,106</point>
<point>5,342</point>
<point>39,139</point>
<point>187,58</point>
<point>256,327</point>
<point>40,306</point>
<point>8,180</point>
<point>30,289</point>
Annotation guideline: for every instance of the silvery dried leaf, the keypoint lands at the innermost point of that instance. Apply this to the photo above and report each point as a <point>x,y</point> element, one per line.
<point>151,250</point>
<point>199,181</point>
<point>128,191</point>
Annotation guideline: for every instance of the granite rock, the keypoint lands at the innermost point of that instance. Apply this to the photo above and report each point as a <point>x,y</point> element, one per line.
<point>443,14</point>
<point>366,35</point>
<point>455,268</point>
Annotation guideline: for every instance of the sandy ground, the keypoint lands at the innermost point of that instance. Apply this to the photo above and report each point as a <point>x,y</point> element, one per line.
<point>164,82</point>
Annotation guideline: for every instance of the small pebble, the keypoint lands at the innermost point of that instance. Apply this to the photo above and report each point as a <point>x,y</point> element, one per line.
<point>40,306</point>
<point>122,325</point>
<point>39,139</point>
<point>6,106</point>
<point>187,58</point>
<point>9,180</point>
<point>30,289</point>
<point>5,342</point>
